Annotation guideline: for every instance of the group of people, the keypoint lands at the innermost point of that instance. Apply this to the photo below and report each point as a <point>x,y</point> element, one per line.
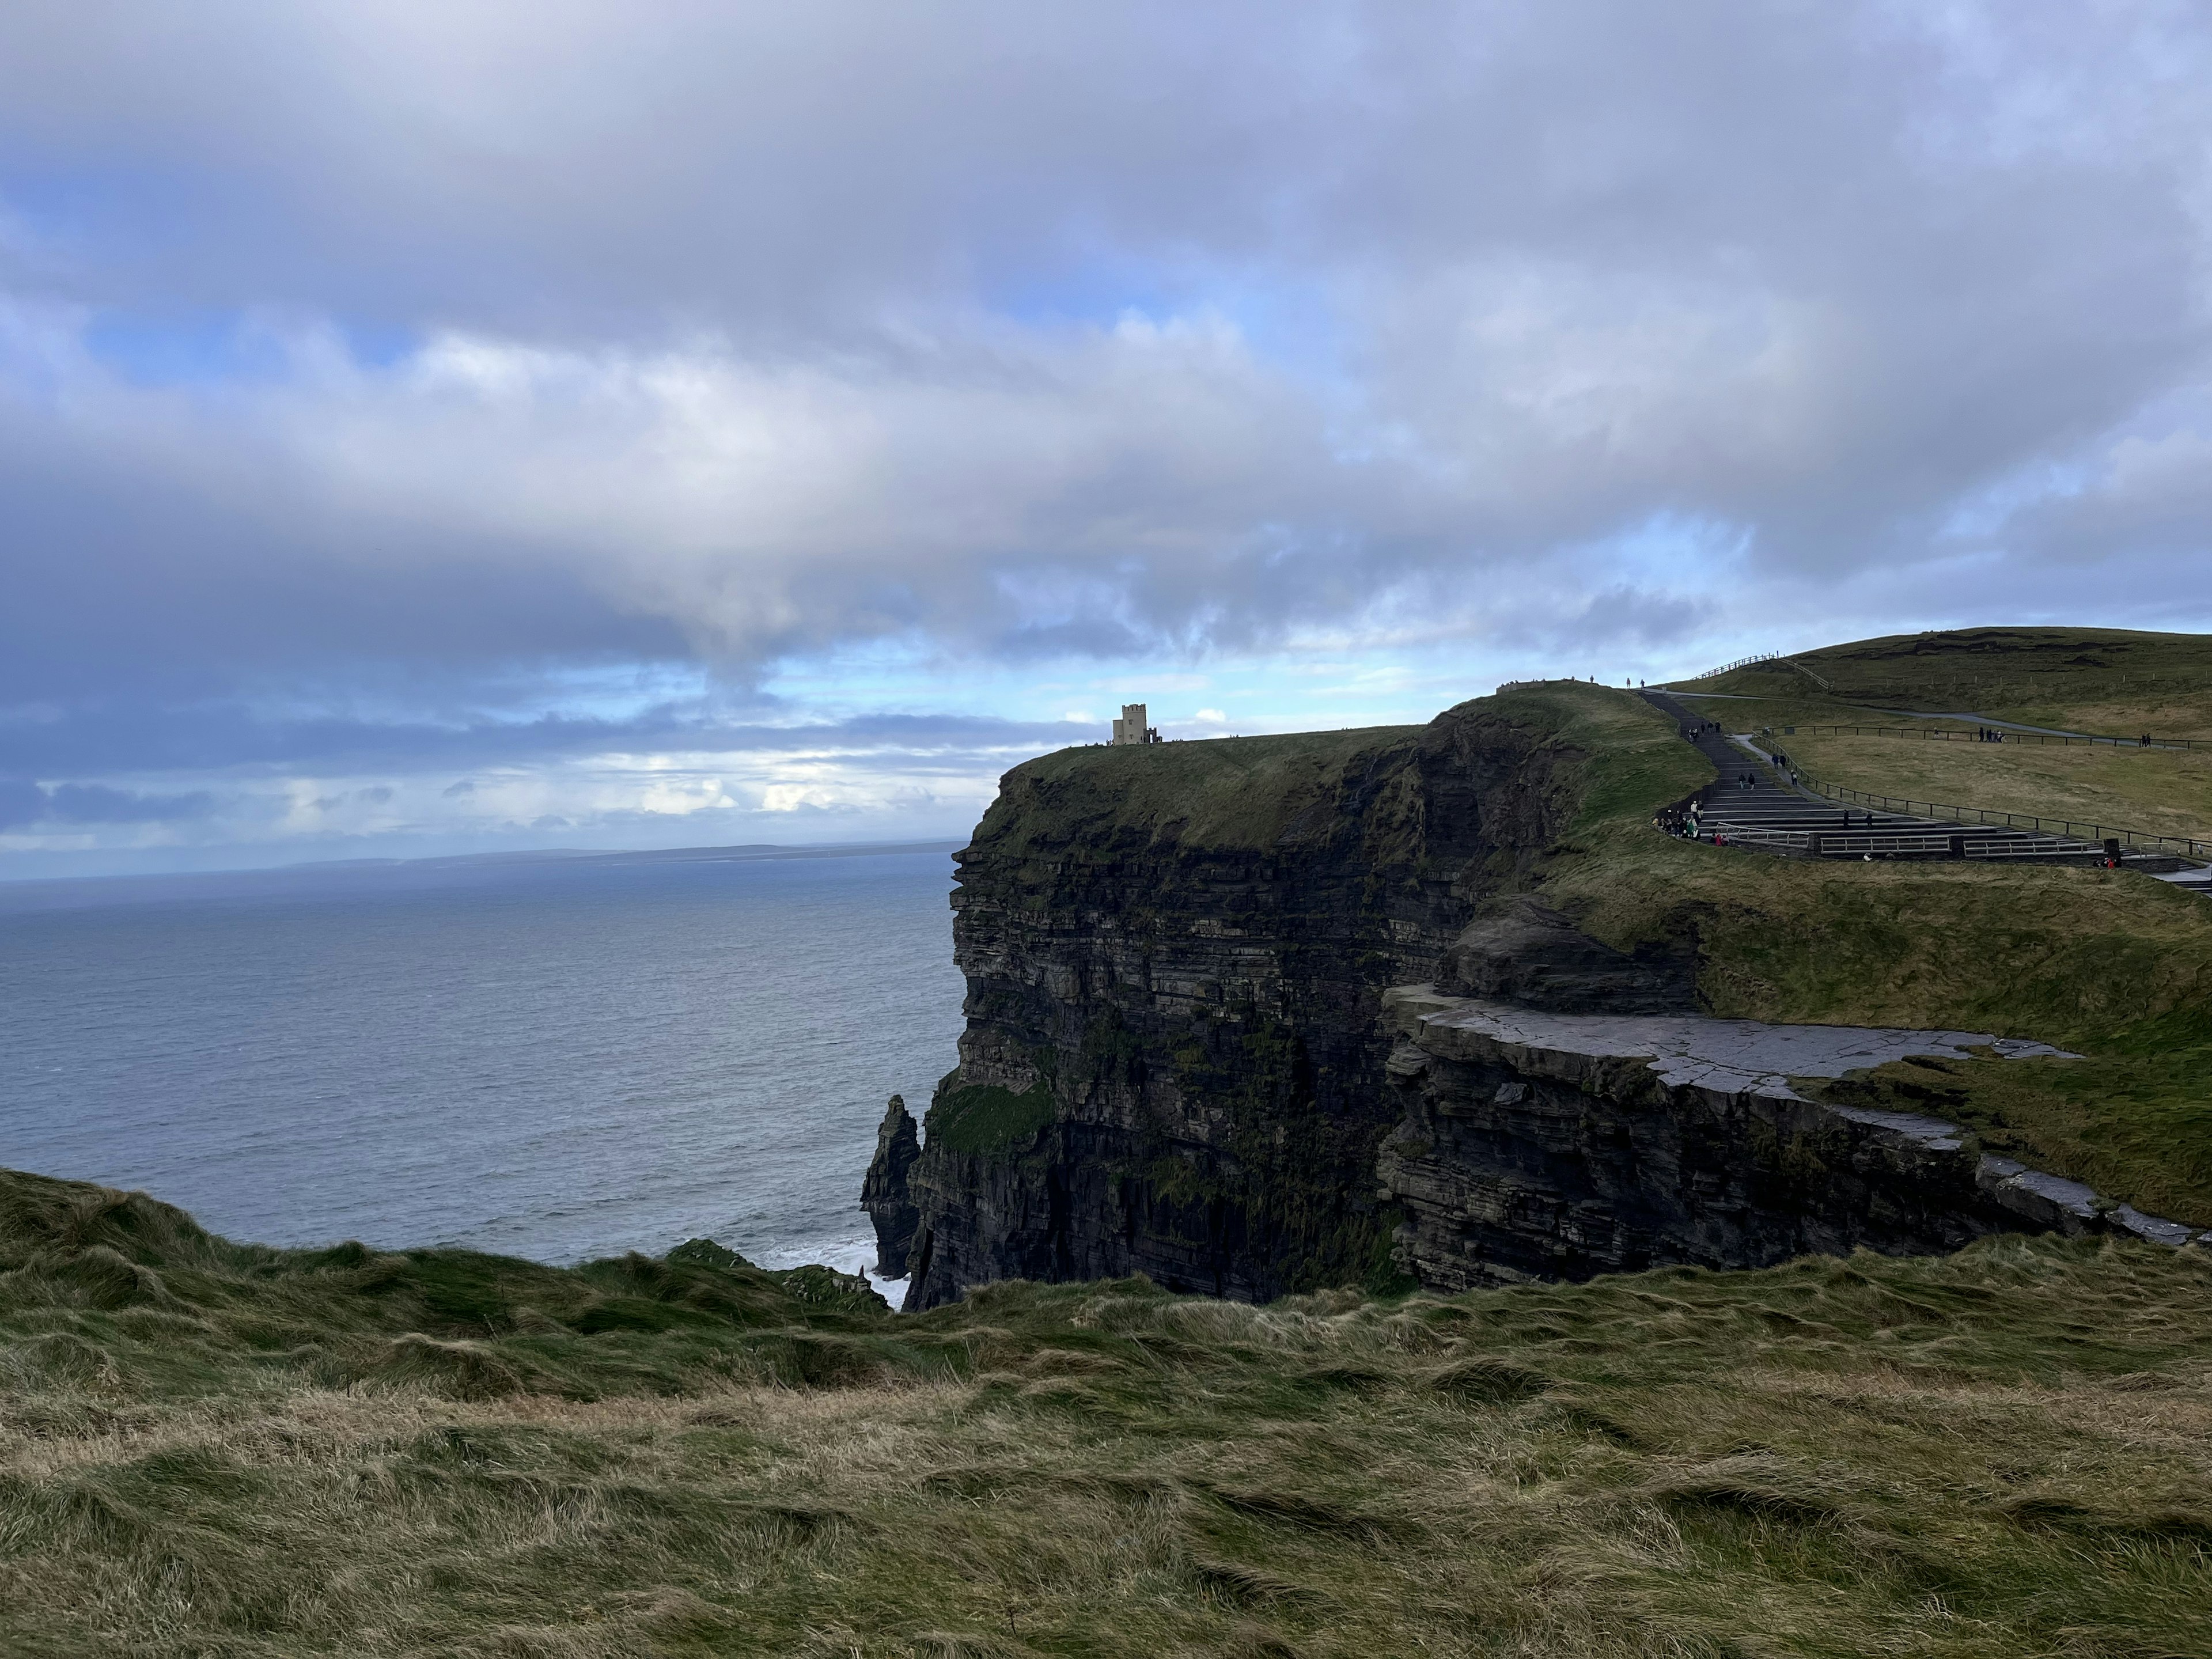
<point>1988,734</point>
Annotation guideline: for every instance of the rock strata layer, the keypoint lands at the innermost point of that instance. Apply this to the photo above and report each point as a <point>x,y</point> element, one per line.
<point>1176,956</point>
<point>1543,1145</point>
<point>1185,1056</point>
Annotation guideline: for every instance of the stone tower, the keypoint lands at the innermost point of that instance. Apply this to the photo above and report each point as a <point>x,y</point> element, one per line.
<point>1131,728</point>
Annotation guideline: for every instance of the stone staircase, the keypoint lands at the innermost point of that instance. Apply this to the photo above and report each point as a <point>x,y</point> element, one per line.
<point>1772,813</point>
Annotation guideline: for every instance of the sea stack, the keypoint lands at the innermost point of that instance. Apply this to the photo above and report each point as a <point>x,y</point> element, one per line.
<point>884,1195</point>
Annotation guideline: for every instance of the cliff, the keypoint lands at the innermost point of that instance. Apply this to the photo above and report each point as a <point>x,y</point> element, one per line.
<point>1539,1144</point>
<point>1181,1061</point>
<point>1176,956</point>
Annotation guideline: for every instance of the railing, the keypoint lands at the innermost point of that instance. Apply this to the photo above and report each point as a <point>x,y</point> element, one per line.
<point>2143,839</point>
<point>1934,734</point>
<point>1883,843</point>
<point>1782,657</point>
<point>1740,662</point>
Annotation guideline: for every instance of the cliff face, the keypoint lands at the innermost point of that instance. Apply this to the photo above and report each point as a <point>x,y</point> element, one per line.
<point>1185,1057</point>
<point>1175,956</point>
<point>1537,1145</point>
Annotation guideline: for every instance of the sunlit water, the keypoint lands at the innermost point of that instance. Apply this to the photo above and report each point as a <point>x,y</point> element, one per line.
<point>559,1061</point>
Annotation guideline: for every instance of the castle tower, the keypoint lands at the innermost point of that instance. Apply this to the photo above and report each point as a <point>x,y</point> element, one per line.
<point>1131,728</point>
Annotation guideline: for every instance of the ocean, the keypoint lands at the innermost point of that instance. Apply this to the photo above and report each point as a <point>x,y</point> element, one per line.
<point>561,1059</point>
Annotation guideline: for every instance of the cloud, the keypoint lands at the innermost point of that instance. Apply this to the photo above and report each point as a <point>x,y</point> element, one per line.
<point>414,390</point>
<point>119,737</point>
<point>76,804</point>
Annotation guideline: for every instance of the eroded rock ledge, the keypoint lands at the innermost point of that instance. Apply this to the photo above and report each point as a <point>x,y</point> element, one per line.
<point>1543,1144</point>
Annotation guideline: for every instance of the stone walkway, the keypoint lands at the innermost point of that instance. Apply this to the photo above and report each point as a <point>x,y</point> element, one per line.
<point>1732,1055</point>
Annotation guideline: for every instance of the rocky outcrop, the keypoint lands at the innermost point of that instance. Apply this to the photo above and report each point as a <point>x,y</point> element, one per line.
<point>1541,1145</point>
<point>1524,951</point>
<point>884,1194</point>
<point>1176,956</point>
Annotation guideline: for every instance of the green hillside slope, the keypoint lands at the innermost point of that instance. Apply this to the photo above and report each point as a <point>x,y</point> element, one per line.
<point>2104,680</point>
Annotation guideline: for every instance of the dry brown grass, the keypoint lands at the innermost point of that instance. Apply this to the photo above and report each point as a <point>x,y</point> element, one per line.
<point>214,1450</point>
<point>2002,1452</point>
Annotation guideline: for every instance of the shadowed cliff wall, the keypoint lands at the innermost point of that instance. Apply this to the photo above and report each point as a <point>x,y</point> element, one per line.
<point>1175,1063</point>
<point>1175,956</point>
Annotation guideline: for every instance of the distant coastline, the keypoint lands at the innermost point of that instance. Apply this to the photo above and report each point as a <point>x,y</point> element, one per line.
<point>21,887</point>
<point>659,856</point>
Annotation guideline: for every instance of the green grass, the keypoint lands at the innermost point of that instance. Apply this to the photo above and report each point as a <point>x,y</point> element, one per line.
<point>1225,792</point>
<point>984,1118</point>
<point>218,1449</point>
<point>2103,680</point>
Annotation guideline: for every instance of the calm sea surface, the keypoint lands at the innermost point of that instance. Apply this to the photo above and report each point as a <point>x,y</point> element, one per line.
<point>556,1061</point>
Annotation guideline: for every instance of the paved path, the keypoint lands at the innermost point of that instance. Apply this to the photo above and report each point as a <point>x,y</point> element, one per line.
<point>1735,1055</point>
<point>1959,714</point>
<point>1771,811</point>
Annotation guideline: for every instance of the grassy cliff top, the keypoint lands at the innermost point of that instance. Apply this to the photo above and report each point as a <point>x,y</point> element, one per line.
<point>2112,964</point>
<point>1254,792</point>
<point>220,1450</point>
<point>1221,791</point>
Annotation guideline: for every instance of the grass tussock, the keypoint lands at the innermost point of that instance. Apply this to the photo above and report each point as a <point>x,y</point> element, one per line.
<point>2000,1452</point>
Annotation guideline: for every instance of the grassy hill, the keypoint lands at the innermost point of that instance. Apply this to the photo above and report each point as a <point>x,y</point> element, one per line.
<point>2104,680</point>
<point>215,1448</point>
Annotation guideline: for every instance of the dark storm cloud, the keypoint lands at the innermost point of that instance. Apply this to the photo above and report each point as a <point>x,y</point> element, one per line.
<point>456,346</point>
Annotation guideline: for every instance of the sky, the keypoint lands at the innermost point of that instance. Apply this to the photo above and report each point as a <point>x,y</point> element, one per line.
<point>445,427</point>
